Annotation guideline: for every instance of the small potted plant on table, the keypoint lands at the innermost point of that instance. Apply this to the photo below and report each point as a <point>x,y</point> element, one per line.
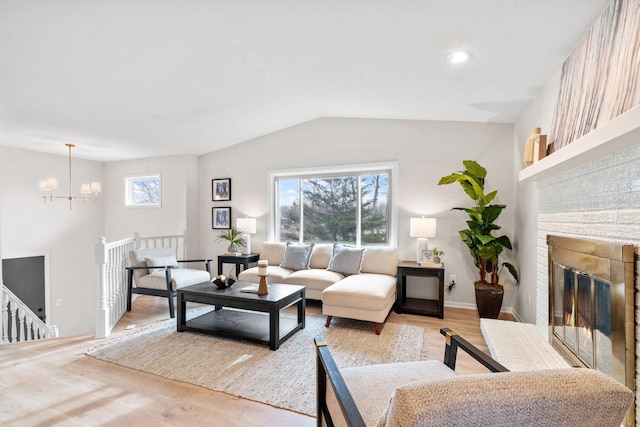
<point>234,237</point>
<point>437,255</point>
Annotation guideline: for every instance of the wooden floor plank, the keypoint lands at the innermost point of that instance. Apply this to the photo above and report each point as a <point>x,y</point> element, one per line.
<point>54,382</point>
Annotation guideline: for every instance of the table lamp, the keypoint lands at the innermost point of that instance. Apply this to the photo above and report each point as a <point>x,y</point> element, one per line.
<point>248,227</point>
<point>422,228</point>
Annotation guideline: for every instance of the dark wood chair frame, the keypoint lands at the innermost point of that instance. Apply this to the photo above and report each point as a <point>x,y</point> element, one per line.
<point>168,293</point>
<point>327,371</point>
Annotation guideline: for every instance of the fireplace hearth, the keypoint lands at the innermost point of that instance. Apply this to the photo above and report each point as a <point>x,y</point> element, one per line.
<point>591,306</point>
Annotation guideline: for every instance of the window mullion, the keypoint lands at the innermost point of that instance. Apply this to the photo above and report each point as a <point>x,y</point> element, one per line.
<point>301,203</point>
<point>359,212</point>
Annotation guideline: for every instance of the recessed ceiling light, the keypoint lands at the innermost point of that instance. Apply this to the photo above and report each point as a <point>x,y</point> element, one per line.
<point>458,57</point>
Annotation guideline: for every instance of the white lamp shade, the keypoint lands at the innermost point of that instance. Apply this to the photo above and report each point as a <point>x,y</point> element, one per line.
<point>52,184</point>
<point>85,189</point>
<point>96,187</point>
<point>247,225</point>
<point>422,227</point>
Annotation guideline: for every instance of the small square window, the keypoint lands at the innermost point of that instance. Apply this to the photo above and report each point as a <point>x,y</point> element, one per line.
<point>142,191</point>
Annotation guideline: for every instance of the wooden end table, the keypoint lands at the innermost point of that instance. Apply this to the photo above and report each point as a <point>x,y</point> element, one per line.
<point>239,260</point>
<point>428,307</point>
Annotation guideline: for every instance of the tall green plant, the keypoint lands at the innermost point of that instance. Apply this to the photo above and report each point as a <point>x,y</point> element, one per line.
<point>485,248</point>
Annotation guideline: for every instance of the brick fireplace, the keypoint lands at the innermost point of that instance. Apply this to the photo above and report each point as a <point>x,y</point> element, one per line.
<point>598,200</point>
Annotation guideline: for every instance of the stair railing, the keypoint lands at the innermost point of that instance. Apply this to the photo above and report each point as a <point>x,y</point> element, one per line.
<point>112,259</point>
<point>18,323</point>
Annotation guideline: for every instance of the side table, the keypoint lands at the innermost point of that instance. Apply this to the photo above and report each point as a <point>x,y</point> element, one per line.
<point>239,260</point>
<point>428,307</point>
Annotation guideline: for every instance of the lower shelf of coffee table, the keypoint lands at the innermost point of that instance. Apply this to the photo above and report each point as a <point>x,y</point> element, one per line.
<point>253,326</point>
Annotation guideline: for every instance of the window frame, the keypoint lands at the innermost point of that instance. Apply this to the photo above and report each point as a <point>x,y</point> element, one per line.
<point>340,170</point>
<point>128,194</point>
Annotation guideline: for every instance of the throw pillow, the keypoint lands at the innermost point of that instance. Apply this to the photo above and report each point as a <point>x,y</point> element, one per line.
<point>161,261</point>
<point>346,260</point>
<point>297,256</point>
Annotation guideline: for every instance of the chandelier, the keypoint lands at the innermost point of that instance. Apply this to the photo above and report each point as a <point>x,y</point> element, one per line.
<point>89,191</point>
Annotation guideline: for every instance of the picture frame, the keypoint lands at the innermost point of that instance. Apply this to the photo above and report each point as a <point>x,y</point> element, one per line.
<point>221,189</point>
<point>427,256</point>
<point>221,218</point>
<point>143,191</point>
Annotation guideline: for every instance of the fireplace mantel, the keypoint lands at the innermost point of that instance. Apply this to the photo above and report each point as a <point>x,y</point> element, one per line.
<point>618,134</point>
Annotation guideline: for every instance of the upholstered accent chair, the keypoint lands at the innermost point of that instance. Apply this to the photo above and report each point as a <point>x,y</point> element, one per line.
<point>430,393</point>
<point>155,271</point>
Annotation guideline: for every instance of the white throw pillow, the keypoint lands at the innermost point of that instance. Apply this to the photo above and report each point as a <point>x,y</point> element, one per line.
<point>380,260</point>
<point>162,261</point>
<point>273,252</point>
<point>346,260</point>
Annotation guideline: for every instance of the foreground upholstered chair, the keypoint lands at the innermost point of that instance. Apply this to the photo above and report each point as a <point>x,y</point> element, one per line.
<point>430,393</point>
<point>155,271</point>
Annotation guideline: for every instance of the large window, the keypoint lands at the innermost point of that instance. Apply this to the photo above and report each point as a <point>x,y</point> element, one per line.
<point>347,205</point>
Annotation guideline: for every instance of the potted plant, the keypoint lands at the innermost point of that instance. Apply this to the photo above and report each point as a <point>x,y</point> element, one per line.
<point>437,255</point>
<point>234,237</point>
<point>484,246</point>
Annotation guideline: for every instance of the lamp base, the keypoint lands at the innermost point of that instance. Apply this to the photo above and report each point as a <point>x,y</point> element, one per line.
<point>246,250</point>
<point>421,245</point>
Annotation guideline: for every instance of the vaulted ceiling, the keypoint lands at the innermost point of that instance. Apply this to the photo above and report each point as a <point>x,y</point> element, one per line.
<point>130,79</point>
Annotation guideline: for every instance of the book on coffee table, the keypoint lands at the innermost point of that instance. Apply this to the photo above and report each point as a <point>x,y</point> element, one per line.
<point>253,289</point>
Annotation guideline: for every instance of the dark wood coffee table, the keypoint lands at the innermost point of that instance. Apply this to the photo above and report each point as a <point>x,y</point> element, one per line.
<point>251,322</point>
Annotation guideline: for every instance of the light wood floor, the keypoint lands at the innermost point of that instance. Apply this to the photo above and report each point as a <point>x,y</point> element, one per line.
<point>52,382</point>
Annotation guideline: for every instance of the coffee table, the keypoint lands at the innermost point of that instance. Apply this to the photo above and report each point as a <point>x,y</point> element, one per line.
<point>239,314</point>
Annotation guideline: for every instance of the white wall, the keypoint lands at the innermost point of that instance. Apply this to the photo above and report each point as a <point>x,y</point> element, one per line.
<point>425,151</point>
<point>538,114</point>
<point>30,226</point>
<point>179,204</point>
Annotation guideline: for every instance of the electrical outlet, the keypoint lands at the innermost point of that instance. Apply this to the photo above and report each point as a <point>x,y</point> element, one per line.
<point>528,298</point>
<point>452,278</point>
<point>59,302</point>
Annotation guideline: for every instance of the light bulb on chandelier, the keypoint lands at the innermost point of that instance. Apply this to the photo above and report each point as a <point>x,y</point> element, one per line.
<point>89,191</point>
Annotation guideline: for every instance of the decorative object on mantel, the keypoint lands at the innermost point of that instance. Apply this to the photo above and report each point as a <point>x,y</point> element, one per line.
<point>422,228</point>
<point>248,227</point>
<point>483,246</point>
<point>535,148</point>
<point>234,237</point>
<point>223,282</point>
<point>48,185</point>
<point>600,78</point>
<point>263,286</point>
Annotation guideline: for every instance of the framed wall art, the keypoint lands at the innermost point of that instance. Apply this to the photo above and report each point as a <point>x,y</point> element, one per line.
<point>221,218</point>
<point>221,189</point>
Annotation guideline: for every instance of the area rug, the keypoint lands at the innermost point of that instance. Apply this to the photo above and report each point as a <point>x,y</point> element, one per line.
<point>284,378</point>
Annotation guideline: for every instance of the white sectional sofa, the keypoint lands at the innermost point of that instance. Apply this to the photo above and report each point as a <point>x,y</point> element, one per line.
<point>355,283</point>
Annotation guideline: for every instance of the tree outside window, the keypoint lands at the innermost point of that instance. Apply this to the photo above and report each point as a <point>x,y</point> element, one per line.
<point>351,209</point>
<point>143,191</point>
